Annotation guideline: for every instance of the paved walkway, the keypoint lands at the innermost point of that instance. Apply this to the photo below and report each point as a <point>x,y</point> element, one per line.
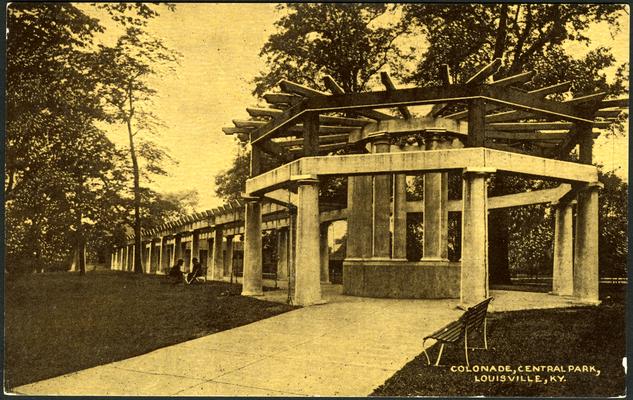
<point>347,347</point>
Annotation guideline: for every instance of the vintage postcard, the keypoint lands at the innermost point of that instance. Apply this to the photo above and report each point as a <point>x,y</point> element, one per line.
<point>316,199</point>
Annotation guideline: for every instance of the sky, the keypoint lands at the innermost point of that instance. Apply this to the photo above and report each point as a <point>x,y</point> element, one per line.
<point>220,44</point>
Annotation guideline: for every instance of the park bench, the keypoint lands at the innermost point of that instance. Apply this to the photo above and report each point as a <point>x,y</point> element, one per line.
<point>473,319</point>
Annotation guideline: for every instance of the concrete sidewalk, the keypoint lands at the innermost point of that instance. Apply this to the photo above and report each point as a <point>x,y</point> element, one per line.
<point>347,347</point>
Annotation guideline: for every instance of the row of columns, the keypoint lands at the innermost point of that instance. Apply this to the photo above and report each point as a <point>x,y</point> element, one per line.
<point>576,253</point>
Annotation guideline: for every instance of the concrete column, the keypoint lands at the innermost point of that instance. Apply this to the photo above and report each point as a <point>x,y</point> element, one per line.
<point>177,248</point>
<point>252,276</point>
<point>292,246</point>
<point>308,273</point>
<point>359,219</point>
<point>382,204</point>
<point>124,251</point>
<point>131,266</point>
<point>282,254</point>
<point>435,211</point>
<point>209,259</point>
<point>195,246</point>
<point>563,271</point>
<point>163,265</point>
<point>218,257</point>
<point>399,245</point>
<point>147,263</point>
<point>324,250</point>
<point>586,277</point>
<point>474,273</point>
<point>228,257</point>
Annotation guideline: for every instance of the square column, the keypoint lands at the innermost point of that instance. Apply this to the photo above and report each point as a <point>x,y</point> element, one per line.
<point>163,266</point>
<point>399,244</point>
<point>382,204</point>
<point>228,257</point>
<point>563,270</point>
<point>252,275</point>
<point>435,211</point>
<point>177,249</point>
<point>586,273</point>
<point>308,273</point>
<point>324,249</point>
<point>218,257</point>
<point>474,273</point>
<point>359,219</point>
<point>195,246</point>
<point>282,254</point>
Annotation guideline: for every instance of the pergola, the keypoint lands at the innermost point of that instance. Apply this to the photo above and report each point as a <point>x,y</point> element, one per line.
<point>480,126</point>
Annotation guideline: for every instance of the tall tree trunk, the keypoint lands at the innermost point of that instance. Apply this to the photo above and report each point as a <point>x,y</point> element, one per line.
<point>81,246</point>
<point>138,267</point>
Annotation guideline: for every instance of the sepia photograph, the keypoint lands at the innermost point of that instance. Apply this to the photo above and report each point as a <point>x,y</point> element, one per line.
<point>316,199</point>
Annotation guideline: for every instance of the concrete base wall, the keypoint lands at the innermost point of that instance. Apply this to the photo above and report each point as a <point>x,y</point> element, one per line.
<point>401,279</point>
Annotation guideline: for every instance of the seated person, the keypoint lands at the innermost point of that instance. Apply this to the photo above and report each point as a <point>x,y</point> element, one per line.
<point>175,273</point>
<point>196,271</point>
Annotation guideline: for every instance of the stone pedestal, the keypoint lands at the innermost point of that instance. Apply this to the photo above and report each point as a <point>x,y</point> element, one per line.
<point>586,278</point>
<point>563,269</point>
<point>252,278</point>
<point>474,273</point>
<point>308,273</point>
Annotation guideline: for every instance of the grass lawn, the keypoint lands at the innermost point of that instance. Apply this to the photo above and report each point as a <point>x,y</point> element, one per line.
<point>591,336</point>
<point>61,322</point>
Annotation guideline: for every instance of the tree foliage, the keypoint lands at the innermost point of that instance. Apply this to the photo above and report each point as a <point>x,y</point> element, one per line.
<point>350,42</point>
<point>65,181</point>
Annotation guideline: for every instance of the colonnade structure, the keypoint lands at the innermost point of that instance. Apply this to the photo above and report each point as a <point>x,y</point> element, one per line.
<point>476,128</point>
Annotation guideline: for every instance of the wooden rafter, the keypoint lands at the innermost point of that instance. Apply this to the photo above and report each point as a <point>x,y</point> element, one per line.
<point>388,83</point>
<point>335,88</point>
<point>324,129</point>
<point>531,126</point>
<point>324,119</point>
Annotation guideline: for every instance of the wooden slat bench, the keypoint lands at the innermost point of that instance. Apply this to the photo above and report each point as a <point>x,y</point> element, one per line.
<point>473,319</point>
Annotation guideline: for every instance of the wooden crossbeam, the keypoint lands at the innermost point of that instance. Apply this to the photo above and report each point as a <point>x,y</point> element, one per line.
<point>530,126</point>
<point>388,83</point>
<point>608,113</point>
<point>324,129</point>
<point>335,88</point>
<point>324,119</point>
<point>515,79</point>
<point>342,138</point>
<point>622,103</point>
<point>591,98</point>
<point>542,92</point>
<point>326,148</point>
<point>528,102</point>
<point>485,72</point>
<point>285,98</point>
<point>536,135</point>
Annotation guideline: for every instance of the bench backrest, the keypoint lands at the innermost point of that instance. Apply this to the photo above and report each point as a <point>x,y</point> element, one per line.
<point>474,317</point>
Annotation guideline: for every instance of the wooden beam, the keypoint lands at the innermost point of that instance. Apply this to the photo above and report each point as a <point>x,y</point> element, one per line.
<point>445,77</point>
<point>530,126</point>
<point>585,142</point>
<point>591,98</point>
<point>542,92</point>
<point>476,123</point>
<point>485,72</point>
<point>310,134</point>
<point>322,140</point>
<point>384,99</point>
<point>335,88</point>
<point>324,130</point>
<point>286,98</point>
<point>275,150</point>
<point>534,135</point>
<point>388,83</point>
<point>234,131</point>
<point>322,149</point>
<point>608,113</point>
<point>528,102</point>
<point>622,103</point>
<point>514,79</point>
<point>323,119</point>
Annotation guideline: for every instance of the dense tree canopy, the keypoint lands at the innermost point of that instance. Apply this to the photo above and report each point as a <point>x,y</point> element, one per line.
<point>66,183</point>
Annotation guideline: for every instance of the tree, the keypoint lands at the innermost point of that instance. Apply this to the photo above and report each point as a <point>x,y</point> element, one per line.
<point>350,42</point>
<point>126,68</point>
<point>55,155</point>
<point>525,37</point>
